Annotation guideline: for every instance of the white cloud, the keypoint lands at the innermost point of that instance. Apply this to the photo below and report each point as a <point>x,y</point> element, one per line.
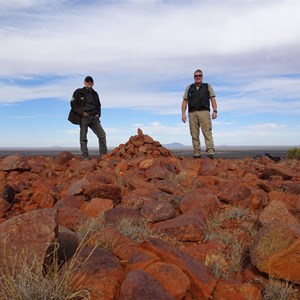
<point>142,54</point>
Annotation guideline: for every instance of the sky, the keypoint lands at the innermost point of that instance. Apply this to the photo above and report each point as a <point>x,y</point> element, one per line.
<point>142,54</point>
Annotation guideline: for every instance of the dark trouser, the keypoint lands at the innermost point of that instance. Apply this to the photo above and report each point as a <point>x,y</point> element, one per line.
<point>94,124</point>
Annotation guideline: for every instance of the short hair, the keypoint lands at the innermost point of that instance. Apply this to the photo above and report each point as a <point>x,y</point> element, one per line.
<point>198,70</point>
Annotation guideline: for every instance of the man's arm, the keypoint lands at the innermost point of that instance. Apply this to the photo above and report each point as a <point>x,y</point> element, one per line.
<point>183,110</point>
<point>214,107</point>
<point>75,103</point>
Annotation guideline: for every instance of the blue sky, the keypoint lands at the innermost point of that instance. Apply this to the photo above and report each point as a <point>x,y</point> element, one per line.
<point>142,55</point>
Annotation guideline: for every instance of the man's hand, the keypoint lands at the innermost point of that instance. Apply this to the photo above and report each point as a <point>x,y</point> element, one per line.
<point>183,118</point>
<point>214,115</point>
<point>85,114</point>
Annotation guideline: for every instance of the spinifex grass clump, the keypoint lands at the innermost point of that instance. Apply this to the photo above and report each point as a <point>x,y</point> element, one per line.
<point>31,278</point>
<point>135,229</point>
<point>277,289</point>
<point>230,261</point>
<point>294,153</point>
<point>28,280</point>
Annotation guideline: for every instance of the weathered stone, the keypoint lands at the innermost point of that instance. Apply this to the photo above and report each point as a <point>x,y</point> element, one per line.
<point>121,167</point>
<point>4,206</point>
<point>83,166</point>
<point>148,139</point>
<point>171,277</point>
<point>276,249</point>
<point>168,186</point>
<point>101,274</point>
<point>97,206</point>
<point>233,289</point>
<point>134,179</point>
<point>158,171</point>
<point>207,167</point>
<point>202,282</point>
<point>233,192</point>
<point>202,199</point>
<point>114,215</point>
<point>291,187</point>
<point>67,244</point>
<point>140,285</point>
<point>159,210</point>
<point>141,259</point>
<point>71,217</point>
<point>186,227</point>
<point>31,233</point>
<point>200,251</point>
<point>111,239</point>
<point>102,190</point>
<point>76,188</point>
<point>291,201</point>
<point>7,192</point>
<point>276,211</point>
<point>63,157</point>
<point>139,197</point>
<point>71,201</point>
<point>14,162</point>
<point>276,170</point>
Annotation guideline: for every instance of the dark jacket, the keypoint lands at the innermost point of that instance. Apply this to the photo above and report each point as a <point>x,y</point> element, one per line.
<point>198,99</point>
<point>78,102</point>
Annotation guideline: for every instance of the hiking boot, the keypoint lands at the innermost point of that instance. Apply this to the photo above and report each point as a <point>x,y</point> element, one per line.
<point>196,156</point>
<point>86,158</point>
<point>211,156</point>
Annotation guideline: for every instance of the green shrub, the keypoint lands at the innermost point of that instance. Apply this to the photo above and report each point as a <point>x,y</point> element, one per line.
<point>294,153</point>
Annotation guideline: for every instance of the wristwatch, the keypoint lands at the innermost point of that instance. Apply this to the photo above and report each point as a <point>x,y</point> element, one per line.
<point>215,111</point>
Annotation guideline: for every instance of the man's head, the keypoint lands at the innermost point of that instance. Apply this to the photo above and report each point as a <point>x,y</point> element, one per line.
<point>198,75</point>
<point>88,82</point>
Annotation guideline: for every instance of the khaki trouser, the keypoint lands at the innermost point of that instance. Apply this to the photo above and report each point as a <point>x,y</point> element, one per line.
<point>201,120</point>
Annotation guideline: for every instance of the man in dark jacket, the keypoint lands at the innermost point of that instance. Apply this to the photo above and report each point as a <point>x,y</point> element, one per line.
<point>86,112</point>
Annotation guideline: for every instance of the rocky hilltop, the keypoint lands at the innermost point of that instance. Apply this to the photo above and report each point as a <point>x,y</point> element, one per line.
<point>150,225</point>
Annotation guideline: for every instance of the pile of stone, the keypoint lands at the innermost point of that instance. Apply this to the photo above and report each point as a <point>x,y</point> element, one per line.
<point>140,145</point>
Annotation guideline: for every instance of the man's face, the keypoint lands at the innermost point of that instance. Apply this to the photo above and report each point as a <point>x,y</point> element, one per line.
<point>198,77</point>
<point>88,84</point>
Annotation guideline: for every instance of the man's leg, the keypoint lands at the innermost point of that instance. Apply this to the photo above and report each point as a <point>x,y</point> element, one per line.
<point>206,128</point>
<point>101,135</point>
<point>194,130</point>
<point>83,137</point>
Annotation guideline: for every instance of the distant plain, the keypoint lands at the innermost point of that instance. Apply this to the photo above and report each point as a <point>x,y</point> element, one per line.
<point>227,152</point>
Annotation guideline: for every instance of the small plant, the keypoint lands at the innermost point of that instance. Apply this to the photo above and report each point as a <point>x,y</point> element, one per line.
<point>218,265</point>
<point>235,239</point>
<point>28,280</point>
<point>97,226</point>
<point>276,289</point>
<point>294,153</point>
<point>137,230</point>
<point>214,223</point>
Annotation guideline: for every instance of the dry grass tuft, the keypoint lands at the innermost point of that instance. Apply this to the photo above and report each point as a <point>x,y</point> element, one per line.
<point>276,289</point>
<point>235,239</point>
<point>28,280</point>
<point>137,230</point>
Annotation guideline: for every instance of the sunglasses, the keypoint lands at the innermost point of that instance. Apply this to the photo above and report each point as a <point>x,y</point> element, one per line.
<point>90,81</point>
<point>197,76</point>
